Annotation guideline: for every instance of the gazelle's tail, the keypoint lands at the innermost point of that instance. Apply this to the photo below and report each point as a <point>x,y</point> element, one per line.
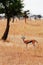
<point>36,41</point>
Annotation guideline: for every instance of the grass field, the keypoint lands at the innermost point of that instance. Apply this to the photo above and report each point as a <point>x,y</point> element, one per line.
<point>15,51</point>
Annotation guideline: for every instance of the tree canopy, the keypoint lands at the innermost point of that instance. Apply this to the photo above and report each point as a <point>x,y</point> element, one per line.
<point>25,14</point>
<point>11,7</point>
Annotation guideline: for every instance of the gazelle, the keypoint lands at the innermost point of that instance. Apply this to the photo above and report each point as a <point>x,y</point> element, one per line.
<point>29,41</point>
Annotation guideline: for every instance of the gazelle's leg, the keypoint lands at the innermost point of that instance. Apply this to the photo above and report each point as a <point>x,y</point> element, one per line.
<point>26,45</point>
<point>33,44</point>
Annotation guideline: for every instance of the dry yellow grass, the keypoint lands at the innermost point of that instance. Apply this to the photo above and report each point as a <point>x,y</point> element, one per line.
<point>15,52</point>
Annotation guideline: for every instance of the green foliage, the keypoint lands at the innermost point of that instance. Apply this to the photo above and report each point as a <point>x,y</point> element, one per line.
<point>1,10</point>
<point>11,7</point>
<point>25,14</point>
<point>39,16</point>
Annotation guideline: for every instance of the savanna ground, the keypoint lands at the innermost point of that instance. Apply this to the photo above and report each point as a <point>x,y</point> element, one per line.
<point>13,51</point>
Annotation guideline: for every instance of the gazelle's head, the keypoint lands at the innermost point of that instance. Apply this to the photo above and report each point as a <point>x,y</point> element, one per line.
<point>23,37</point>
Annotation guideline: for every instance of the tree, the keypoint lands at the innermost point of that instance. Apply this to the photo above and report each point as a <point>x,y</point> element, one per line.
<point>35,17</point>
<point>25,14</point>
<point>39,16</point>
<point>11,8</point>
<point>17,11</point>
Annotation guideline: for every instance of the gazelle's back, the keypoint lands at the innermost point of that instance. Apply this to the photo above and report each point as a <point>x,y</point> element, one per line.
<point>30,41</point>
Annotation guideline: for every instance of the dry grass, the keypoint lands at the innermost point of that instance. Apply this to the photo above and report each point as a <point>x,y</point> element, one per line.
<point>15,52</point>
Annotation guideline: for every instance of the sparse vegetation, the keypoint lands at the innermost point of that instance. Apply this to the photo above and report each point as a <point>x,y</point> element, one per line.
<point>24,44</point>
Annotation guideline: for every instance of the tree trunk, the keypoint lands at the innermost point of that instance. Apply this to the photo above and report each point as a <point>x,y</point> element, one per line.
<point>25,20</point>
<point>13,19</point>
<point>4,37</point>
